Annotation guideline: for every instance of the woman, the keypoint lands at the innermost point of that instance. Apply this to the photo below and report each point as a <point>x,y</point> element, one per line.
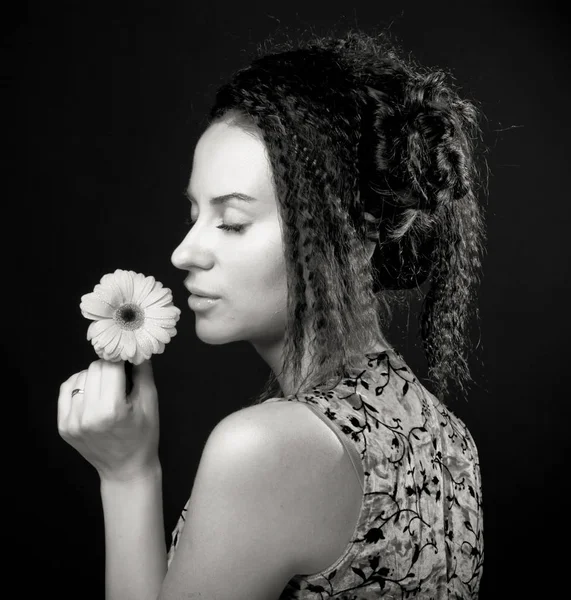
<point>333,177</point>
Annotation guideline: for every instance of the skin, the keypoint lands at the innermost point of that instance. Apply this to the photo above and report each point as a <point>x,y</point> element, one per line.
<point>246,269</point>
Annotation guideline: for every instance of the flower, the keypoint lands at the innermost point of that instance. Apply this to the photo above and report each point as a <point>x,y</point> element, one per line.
<point>133,315</point>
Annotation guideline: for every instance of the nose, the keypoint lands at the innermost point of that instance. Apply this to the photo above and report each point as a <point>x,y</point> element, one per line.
<point>189,254</point>
<point>177,257</point>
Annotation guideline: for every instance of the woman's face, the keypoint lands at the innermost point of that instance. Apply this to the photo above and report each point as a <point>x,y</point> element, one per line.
<point>245,269</point>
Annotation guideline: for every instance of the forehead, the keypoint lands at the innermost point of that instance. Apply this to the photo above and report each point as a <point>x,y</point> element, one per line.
<point>227,159</point>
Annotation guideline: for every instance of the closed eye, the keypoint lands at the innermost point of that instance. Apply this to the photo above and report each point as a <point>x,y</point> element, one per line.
<point>233,228</point>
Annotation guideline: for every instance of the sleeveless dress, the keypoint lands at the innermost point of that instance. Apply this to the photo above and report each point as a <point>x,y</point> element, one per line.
<point>419,533</point>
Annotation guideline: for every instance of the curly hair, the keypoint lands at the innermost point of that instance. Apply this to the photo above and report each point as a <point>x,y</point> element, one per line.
<point>366,146</point>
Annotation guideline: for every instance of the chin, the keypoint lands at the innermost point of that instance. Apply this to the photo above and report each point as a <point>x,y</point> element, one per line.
<point>211,338</point>
<point>213,333</point>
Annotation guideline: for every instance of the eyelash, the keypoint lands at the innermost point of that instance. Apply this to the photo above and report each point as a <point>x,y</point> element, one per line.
<point>233,228</point>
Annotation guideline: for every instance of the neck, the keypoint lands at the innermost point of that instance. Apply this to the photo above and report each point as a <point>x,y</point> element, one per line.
<point>272,354</point>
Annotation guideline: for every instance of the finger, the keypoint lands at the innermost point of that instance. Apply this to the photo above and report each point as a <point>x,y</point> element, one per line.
<point>91,401</point>
<point>79,381</point>
<point>65,402</point>
<point>64,405</point>
<point>113,386</point>
<point>76,403</point>
<point>143,375</point>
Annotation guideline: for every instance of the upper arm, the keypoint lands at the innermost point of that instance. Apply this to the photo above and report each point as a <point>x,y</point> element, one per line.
<point>249,512</point>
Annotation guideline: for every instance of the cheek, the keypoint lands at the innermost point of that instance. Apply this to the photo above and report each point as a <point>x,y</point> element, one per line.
<point>275,268</point>
<point>262,272</point>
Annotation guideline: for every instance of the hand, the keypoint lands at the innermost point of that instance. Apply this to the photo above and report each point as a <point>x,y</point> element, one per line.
<point>117,434</point>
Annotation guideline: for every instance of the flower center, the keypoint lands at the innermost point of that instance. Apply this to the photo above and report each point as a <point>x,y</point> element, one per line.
<point>129,316</point>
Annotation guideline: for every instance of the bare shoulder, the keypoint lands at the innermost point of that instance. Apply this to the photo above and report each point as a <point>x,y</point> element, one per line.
<point>312,472</point>
<point>292,426</point>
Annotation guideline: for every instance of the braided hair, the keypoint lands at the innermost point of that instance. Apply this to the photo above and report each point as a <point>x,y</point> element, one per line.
<point>365,146</point>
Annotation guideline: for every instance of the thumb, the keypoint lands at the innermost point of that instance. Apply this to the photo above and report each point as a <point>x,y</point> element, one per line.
<point>143,375</point>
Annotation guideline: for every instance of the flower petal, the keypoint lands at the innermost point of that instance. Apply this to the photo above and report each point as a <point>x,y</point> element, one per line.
<point>159,294</point>
<point>88,315</point>
<point>112,344</point>
<point>106,294</point>
<point>145,341</point>
<point>114,350</point>
<point>112,283</point>
<point>100,353</point>
<point>163,312</point>
<point>92,304</point>
<point>151,340</point>
<point>106,350</point>
<point>106,336</point>
<point>115,354</point>
<point>126,282</point>
<point>157,332</point>
<point>164,323</point>
<point>139,281</point>
<point>110,357</point>
<point>139,357</point>
<point>145,285</point>
<point>129,344</point>
<point>99,327</point>
<point>163,302</point>
<point>145,346</point>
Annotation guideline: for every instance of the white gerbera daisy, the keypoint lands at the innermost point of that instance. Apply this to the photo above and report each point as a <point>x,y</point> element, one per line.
<point>133,315</point>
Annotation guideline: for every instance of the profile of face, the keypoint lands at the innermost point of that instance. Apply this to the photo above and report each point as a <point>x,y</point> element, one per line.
<point>244,267</point>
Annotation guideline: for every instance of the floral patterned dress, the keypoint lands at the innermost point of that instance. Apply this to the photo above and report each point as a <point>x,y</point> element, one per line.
<point>419,534</point>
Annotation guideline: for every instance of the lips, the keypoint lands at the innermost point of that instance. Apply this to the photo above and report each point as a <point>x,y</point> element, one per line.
<point>197,291</point>
<point>200,294</point>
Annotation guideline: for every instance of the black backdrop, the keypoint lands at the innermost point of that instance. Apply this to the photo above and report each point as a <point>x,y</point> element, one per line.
<point>115,100</point>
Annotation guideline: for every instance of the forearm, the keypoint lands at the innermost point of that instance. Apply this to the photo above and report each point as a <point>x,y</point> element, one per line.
<point>135,549</point>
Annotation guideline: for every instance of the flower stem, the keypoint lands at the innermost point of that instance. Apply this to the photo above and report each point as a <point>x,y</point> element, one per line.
<point>128,377</point>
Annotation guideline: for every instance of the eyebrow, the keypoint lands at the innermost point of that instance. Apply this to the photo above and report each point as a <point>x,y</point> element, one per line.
<point>224,198</point>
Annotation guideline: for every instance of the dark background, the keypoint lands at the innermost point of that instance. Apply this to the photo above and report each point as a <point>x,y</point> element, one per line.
<point>115,100</point>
